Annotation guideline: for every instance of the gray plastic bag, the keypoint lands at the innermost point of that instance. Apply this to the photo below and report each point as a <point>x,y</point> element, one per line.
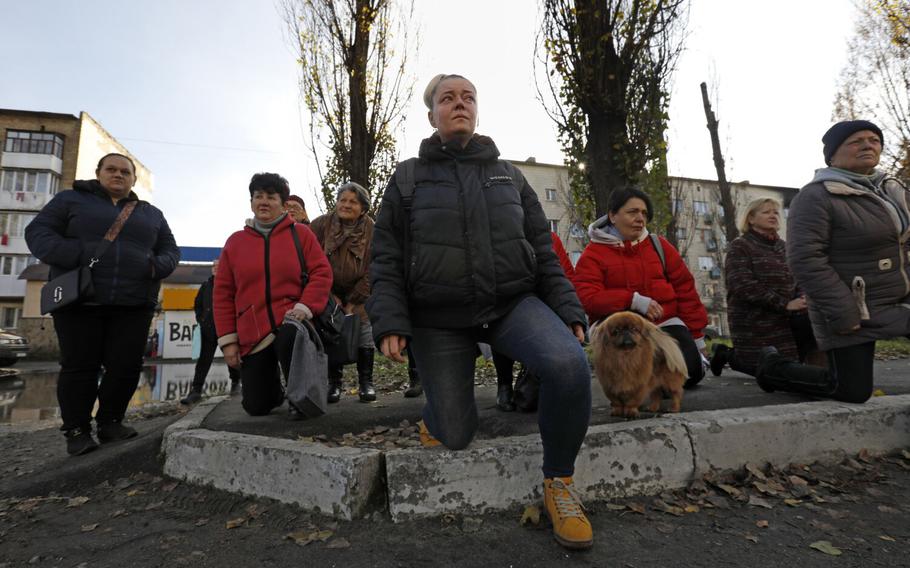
<point>308,386</point>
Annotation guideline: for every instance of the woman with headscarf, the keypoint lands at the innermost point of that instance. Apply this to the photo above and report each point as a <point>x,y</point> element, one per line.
<point>461,255</point>
<point>345,235</point>
<point>847,247</point>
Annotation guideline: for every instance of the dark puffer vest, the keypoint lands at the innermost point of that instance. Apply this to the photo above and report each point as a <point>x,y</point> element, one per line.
<point>479,243</point>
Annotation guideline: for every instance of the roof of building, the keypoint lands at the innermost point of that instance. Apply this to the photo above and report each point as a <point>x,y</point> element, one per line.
<point>37,113</point>
<point>199,254</point>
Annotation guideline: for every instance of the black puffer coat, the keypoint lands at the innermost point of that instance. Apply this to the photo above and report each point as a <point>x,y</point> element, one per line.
<point>66,233</point>
<point>479,243</point>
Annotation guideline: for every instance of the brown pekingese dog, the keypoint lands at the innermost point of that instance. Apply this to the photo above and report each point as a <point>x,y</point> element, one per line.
<point>633,360</point>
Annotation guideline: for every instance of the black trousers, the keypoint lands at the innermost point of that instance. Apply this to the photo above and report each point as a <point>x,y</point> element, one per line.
<point>261,387</point>
<point>204,363</point>
<point>92,339</point>
<point>690,352</point>
<point>852,367</point>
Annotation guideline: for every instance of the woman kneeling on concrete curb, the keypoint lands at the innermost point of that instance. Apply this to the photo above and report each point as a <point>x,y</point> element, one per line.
<point>847,246</point>
<point>461,255</point>
<point>345,235</point>
<point>259,283</point>
<point>109,329</point>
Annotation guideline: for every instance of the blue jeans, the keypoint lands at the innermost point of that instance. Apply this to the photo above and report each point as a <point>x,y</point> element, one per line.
<point>531,334</point>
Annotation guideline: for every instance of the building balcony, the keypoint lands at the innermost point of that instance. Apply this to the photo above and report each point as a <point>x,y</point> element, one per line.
<point>23,200</point>
<point>31,162</point>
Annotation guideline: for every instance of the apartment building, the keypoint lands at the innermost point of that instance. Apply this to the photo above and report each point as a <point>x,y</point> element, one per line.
<point>41,154</point>
<point>699,234</point>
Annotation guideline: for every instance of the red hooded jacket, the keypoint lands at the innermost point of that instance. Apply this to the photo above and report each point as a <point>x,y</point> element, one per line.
<point>258,281</point>
<point>563,257</point>
<point>608,275</point>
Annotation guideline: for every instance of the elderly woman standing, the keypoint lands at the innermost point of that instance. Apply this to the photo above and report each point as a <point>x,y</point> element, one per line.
<point>345,235</point>
<point>462,255</point>
<point>107,331</point>
<point>763,306</point>
<point>847,238</point>
<point>260,283</point>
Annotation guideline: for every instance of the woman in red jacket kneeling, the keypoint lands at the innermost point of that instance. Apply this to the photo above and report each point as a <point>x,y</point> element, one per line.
<point>622,270</point>
<point>259,284</point>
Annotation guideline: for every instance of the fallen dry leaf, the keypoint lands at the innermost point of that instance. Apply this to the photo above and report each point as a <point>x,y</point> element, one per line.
<point>797,480</point>
<point>755,471</point>
<point>167,488</point>
<point>878,392</point>
<point>730,490</point>
<point>89,528</point>
<point>886,537</point>
<point>906,454</point>
<point>752,538</point>
<point>531,515</point>
<point>118,513</point>
<point>134,492</point>
<point>339,543</point>
<point>615,507</point>
<point>761,524</point>
<point>664,507</point>
<point>826,547</point>
<point>77,501</point>
<point>759,502</point>
<point>201,522</point>
<point>636,508</point>
<point>887,509</point>
<point>691,508</point>
<point>234,523</point>
<point>792,502</point>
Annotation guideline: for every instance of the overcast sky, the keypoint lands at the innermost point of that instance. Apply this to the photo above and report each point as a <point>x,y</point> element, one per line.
<point>204,92</point>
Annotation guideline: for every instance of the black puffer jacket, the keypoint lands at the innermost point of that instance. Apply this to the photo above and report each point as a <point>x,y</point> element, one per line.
<point>479,243</point>
<point>202,305</point>
<point>66,233</point>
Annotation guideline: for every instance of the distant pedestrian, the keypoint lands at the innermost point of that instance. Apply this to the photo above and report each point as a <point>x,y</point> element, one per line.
<point>624,267</point>
<point>259,283</point>
<point>297,209</point>
<point>346,235</point>
<point>107,332</point>
<point>462,255</point>
<point>205,319</point>
<point>764,307</point>
<point>847,246</point>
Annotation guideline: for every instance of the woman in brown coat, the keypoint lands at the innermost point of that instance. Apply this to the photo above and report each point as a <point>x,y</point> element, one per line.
<point>345,235</point>
<point>763,306</point>
<point>847,246</point>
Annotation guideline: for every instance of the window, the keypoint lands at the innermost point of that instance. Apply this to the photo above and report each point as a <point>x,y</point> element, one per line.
<point>707,237</point>
<point>680,234</point>
<point>13,265</point>
<point>6,265</point>
<point>786,212</point>
<point>577,231</point>
<point>701,207</point>
<point>710,290</point>
<point>14,224</point>
<point>677,206</point>
<point>554,225</point>
<point>21,181</point>
<point>551,195</point>
<point>705,263</point>
<point>10,318</point>
<point>34,143</point>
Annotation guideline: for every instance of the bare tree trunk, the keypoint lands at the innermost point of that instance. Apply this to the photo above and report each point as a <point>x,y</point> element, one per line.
<point>726,199</point>
<point>603,168</point>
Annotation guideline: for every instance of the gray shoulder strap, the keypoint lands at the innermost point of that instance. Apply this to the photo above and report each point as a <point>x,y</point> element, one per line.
<point>404,179</point>
<point>659,249</point>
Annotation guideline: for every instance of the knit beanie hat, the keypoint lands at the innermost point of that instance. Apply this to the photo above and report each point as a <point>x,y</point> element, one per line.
<point>843,130</point>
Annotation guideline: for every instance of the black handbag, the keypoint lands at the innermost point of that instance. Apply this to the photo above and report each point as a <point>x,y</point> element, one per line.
<point>344,351</point>
<point>330,322</point>
<point>76,285</point>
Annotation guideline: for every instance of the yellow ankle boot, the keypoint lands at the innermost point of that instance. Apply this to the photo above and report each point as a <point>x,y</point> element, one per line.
<point>563,505</point>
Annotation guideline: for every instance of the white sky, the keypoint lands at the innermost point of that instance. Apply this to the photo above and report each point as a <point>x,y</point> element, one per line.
<point>217,81</point>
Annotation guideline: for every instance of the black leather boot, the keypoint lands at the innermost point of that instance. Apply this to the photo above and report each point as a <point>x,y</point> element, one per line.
<point>720,356</point>
<point>415,389</point>
<point>365,374</point>
<point>336,372</point>
<point>778,373</point>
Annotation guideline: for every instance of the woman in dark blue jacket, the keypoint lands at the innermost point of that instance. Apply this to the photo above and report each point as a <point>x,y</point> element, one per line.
<point>109,329</point>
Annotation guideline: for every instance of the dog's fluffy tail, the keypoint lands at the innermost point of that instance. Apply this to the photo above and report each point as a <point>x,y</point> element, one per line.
<point>668,346</point>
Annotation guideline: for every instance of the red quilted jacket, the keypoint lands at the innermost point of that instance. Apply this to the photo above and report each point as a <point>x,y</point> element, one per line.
<point>606,277</point>
<point>258,281</point>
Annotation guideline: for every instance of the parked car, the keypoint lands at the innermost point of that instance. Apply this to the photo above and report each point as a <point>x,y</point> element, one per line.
<point>12,348</point>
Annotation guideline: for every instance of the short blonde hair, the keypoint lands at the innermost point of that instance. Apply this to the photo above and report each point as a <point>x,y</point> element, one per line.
<point>430,91</point>
<point>754,206</point>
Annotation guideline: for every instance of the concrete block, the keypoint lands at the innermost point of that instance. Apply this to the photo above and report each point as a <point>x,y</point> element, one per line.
<point>616,460</point>
<point>796,433</point>
<point>340,482</point>
<point>195,417</point>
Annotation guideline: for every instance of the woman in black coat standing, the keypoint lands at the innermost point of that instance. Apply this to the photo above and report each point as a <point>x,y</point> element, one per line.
<point>109,329</point>
<point>461,255</point>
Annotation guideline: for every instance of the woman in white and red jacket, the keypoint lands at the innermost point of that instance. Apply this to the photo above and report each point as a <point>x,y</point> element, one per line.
<point>621,270</point>
<point>259,283</point>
